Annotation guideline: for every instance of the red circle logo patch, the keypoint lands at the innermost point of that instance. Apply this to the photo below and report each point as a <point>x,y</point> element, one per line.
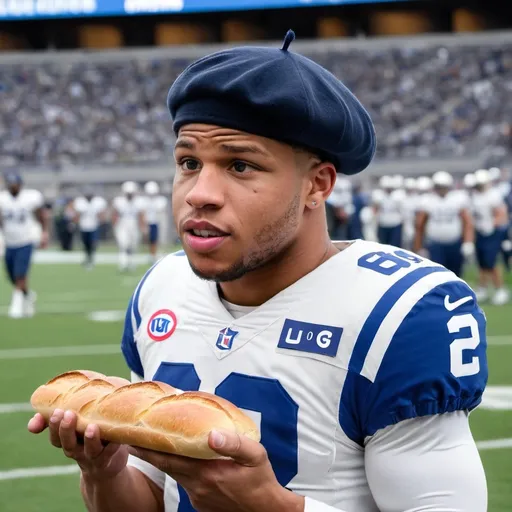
<point>161,325</point>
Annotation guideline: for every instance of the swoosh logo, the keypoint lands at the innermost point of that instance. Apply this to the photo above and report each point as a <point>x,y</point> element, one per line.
<point>450,306</point>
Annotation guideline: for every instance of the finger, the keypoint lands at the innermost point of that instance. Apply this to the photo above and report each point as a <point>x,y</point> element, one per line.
<point>93,447</point>
<point>37,424</point>
<point>54,427</point>
<point>240,448</point>
<point>170,464</point>
<point>67,433</point>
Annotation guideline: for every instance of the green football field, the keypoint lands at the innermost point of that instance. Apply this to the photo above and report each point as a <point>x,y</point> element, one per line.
<point>79,325</point>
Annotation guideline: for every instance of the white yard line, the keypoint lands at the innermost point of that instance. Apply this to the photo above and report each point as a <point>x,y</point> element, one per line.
<point>494,444</point>
<point>499,340</point>
<point>11,408</point>
<point>71,469</point>
<point>16,474</point>
<point>78,350</point>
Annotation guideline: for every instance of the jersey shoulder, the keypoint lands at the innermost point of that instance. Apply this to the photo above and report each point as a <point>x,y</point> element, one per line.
<point>4,197</point>
<point>100,203</point>
<point>31,198</point>
<point>175,271</point>
<point>80,203</point>
<point>421,348</point>
<point>119,202</point>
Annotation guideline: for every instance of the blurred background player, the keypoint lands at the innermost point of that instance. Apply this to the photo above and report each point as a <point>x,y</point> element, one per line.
<point>444,220</point>
<point>340,208</point>
<point>90,213</point>
<point>490,215</point>
<point>410,208</point>
<point>128,223</point>
<point>20,209</point>
<point>388,204</point>
<point>154,206</point>
<point>504,188</point>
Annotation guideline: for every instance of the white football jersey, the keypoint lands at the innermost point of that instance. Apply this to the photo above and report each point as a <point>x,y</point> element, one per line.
<point>390,213</point>
<point>409,209</point>
<point>128,211</point>
<point>483,205</point>
<point>153,208</point>
<point>89,212</point>
<point>444,224</point>
<point>18,216</point>
<point>364,341</point>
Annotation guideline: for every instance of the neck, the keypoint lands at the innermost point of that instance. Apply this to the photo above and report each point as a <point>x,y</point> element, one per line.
<point>260,285</point>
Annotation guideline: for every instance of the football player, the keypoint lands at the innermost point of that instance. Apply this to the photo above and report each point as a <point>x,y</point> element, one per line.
<point>20,211</point>
<point>155,204</point>
<point>360,362</point>
<point>388,205</point>
<point>445,221</point>
<point>90,213</point>
<point>490,214</point>
<point>410,208</point>
<point>129,223</point>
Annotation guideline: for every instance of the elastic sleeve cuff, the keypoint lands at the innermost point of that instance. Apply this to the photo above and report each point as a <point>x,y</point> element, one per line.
<point>154,474</point>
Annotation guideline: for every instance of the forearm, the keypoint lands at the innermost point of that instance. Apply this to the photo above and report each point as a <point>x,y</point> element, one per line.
<point>129,491</point>
<point>42,218</point>
<point>419,224</point>
<point>468,231</point>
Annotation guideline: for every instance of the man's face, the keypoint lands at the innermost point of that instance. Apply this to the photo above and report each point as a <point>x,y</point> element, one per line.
<point>14,189</point>
<point>441,191</point>
<point>238,200</point>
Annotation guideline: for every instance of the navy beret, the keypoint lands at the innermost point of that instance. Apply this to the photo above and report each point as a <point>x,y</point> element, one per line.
<point>280,95</point>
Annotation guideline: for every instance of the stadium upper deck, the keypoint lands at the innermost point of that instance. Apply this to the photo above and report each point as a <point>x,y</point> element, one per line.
<point>429,97</point>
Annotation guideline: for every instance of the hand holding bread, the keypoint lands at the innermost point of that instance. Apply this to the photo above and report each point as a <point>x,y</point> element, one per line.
<point>150,415</point>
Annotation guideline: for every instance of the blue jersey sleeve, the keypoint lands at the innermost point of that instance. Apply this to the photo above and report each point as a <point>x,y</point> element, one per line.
<point>132,323</point>
<point>435,363</point>
<point>128,344</point>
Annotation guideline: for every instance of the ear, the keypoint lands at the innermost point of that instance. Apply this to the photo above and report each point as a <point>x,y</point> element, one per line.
<point>322,179</point>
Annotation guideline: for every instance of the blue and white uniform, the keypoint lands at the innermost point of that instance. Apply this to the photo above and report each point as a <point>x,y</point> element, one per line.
<point>154,207</point>
<point>390,217</point>
<point>488,236</point>
<point>444,229</point>
<point>89,212</point>
<point>19,229</point>
<point>360,375</point>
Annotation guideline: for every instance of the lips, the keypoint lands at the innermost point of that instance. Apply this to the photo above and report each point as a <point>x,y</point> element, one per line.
<point>202,236</point>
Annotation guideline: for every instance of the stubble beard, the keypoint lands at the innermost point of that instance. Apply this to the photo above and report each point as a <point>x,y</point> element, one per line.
<point>272,240</point>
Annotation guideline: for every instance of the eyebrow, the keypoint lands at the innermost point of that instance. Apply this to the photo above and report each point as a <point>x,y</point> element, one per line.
<point>227,148</point>
<point>247,148</point>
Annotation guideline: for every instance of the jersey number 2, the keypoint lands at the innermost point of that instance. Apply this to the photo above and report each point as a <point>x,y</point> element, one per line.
<point>279,414</point>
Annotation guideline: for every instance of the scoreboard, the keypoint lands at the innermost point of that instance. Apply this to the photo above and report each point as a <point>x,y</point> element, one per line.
<point>33,9</point>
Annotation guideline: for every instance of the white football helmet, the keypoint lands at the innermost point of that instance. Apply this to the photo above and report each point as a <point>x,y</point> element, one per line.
<point>424,184</point>
<point>482,177</point>
<point>495,174</point>
<point>386,182</point>
<point>410,184</point>
<point>442,179</point>
<point>469,180</point>
<point>129,187</point>
<point>151,188</point>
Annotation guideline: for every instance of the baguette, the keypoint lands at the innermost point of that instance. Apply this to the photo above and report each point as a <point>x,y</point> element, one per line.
<point>150,415</point>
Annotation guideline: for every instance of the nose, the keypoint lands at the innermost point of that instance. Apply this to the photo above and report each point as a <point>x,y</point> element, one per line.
<point>208,189</point>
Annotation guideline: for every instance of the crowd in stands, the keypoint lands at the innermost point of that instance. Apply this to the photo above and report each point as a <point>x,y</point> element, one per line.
<point>427,102</point>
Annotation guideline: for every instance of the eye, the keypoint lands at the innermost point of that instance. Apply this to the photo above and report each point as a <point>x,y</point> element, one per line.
<point>241,167</point>
<point>189,164</point>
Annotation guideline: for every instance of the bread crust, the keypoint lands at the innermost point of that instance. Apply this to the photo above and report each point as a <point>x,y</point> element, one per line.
<point>150,415</point>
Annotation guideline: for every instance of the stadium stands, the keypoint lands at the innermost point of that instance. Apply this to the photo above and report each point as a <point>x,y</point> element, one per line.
<point>426,100</point>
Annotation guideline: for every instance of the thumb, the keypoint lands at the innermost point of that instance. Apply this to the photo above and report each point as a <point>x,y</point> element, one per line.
<point>240,448</point>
